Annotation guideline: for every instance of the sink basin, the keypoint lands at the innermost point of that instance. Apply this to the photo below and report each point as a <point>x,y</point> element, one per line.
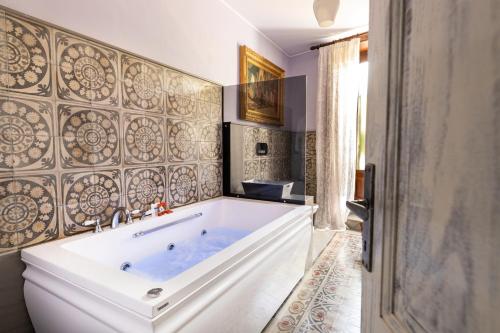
<point>268,189</point>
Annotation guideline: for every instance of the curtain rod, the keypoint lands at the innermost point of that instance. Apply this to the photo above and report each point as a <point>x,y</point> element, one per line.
<point>362,35</point>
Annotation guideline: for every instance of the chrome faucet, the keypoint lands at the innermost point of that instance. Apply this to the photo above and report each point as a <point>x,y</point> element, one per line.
<point>116,217</point>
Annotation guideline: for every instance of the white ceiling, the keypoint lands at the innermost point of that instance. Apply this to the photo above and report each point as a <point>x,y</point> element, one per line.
<point>291,24</point>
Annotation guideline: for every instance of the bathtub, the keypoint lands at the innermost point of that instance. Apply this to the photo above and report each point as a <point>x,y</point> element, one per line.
<point>87,283</point>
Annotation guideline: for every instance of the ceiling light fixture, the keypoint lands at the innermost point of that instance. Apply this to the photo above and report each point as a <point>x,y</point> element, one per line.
<point>326,11</point>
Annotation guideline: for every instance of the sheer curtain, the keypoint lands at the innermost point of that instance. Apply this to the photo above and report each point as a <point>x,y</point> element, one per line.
<point>336,108</point>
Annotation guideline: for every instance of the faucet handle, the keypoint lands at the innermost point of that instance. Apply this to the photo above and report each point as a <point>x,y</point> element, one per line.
<point>96,222</point>
<point>128,215</point>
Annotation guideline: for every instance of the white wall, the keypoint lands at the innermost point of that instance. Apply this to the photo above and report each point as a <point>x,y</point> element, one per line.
<point>200,37</point>
<point>307,64</point>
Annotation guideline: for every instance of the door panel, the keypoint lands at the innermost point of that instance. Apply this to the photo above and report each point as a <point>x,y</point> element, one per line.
<point>433,130</point>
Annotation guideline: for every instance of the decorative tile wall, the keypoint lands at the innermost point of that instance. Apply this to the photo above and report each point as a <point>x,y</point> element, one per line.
<point>273,166</point>
<point>86,128</point>
<point>311,163</point>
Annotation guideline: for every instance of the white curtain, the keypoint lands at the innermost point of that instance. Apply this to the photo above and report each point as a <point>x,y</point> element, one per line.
<point>336,109</point>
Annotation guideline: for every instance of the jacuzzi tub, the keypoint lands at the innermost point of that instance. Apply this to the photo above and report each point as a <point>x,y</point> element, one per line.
<point>78,284</point>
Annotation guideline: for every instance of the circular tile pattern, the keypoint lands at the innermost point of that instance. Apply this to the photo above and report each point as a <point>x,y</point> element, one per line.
<point>24,134</point>
<point>142,86</point>
<point>23,55</point>
<point>87,71</point>
<point>90,136</point>
<point>145,187</point>
<point>182,184</point>
<point>92,196</point>
<point>26,210</point>
<point>211,179</point>
<point>181,96</point>
<point>144,139</point>
<point>181,141</point>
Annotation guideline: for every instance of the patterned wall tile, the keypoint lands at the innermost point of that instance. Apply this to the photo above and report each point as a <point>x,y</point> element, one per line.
<point>251,170</point>
<point>77,95</point>
<point>28,210</point>
<point>311,175</point>
<point>182,184</point>
<point>209,112</point>
<point>89,137</point>
<point>250,139</point>
<point>144,186</point>
<point>210,181</point>
<point>210,142</point>
<point>86,72</point>
<point>89,195</point>
<point>182,140</point>
<point>27,64</point>
<point>210,93</point>
<point>180,94</point>
<point>311,181</point>
<point>144,139</point>
<point>142,84</point>
<point>26,134</point>
<point>311,143</point>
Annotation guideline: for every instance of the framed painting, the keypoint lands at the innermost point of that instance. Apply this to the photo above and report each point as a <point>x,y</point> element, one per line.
<point>261,89</point>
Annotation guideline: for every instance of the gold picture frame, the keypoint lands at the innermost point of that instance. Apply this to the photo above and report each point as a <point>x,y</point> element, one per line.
<point>261,89</point>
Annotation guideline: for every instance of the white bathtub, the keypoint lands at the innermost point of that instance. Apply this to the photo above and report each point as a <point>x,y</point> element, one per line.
<point>76,284</point>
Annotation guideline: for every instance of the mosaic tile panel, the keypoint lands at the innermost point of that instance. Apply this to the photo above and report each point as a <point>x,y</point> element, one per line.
<point>26,134</point>
<point>311,187</point>
<point>210,181</point>
<point>28,210</point>
<point>142,85</point>
<point>182,141</point>
<point>26,68</point>
<point>144,139</point>
<point>182,184</point>
<point>88,196</point>
<point>86,127</point>
<point>144,186</point>
<point>89,137</point>
<point>86,71</point>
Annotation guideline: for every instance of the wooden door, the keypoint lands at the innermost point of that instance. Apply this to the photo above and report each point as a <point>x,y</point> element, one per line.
<point>433,132</point>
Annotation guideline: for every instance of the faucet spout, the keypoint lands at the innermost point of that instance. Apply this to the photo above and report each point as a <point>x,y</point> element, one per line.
<point>116,216</point>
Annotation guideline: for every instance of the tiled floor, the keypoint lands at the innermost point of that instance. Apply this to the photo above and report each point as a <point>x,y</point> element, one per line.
<point>328,299</point>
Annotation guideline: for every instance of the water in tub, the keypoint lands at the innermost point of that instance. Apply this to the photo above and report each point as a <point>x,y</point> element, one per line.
<point>176,259</point>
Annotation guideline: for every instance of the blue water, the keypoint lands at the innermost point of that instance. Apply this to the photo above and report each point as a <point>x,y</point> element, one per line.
<point>166,264</point>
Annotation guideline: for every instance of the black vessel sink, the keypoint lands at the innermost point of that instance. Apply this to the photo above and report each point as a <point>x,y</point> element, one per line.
<point>269,189</point>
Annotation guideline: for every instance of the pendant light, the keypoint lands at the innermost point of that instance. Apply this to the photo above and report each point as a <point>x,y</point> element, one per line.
<point>326,11</point>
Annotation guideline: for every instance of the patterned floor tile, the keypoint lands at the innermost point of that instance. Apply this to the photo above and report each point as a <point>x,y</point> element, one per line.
<point>328,299</point>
